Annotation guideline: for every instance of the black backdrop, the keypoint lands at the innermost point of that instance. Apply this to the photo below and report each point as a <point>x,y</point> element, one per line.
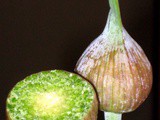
<point>38,35</point>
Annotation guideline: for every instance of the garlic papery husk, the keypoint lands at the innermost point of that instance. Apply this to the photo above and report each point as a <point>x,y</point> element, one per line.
<point>117,67</point>
<point>121,74</point>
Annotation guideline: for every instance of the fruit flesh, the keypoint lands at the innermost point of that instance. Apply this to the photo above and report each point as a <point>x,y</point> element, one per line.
<point>51,95</point>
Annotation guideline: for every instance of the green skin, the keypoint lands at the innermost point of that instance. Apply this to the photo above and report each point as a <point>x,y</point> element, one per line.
<point>50,95</point>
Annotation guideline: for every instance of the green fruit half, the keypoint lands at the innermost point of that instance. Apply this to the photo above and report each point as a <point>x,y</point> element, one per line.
<point>52,95</point>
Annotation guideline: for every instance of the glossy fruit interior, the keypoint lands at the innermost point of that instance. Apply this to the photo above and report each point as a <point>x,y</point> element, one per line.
<point>52,95</point>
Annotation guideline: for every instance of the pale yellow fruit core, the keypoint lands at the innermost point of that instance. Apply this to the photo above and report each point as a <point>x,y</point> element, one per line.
<point>48,103</point>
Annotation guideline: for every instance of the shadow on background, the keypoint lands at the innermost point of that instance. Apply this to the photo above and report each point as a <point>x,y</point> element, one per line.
<point>52,34</point>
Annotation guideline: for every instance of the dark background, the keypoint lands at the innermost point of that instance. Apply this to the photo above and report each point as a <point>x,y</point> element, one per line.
<point>38,35</point>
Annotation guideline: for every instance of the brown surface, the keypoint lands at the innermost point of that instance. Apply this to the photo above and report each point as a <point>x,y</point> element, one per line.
<point>121,74</point>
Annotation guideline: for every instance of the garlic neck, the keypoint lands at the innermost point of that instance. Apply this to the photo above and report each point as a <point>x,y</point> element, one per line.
<point>114,7</point>
<point>113,28</point>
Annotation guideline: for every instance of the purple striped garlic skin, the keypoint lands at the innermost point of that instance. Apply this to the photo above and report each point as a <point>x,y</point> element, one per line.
<point>121,73</point>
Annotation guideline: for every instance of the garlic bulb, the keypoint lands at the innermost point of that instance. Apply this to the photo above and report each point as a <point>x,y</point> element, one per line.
<point>117,67</point>
<point>121,74</point>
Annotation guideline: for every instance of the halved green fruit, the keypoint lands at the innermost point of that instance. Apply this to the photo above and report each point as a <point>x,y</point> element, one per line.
<point>52,95</point>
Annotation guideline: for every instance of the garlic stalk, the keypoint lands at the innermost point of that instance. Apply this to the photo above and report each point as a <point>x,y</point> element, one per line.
<point>112,116</point>
<point>117,67</point>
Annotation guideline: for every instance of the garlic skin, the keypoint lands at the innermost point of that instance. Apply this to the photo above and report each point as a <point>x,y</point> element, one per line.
<point>120,72</point>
